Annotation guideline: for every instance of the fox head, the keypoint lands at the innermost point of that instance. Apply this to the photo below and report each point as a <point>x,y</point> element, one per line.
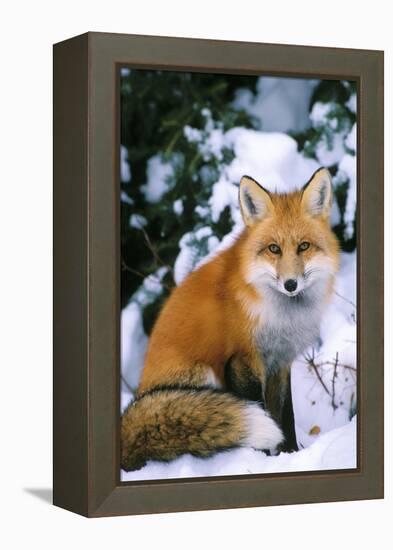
<point>289,245</point>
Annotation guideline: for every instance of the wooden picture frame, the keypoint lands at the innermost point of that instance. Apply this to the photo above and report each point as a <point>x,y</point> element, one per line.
<point>87,274</point>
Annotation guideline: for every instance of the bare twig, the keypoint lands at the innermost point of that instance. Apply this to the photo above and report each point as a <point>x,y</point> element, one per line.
<point>342,365</point>
<point>310,361</point>
<point>316,367</point>
<point>124,381</point>
<point>345,299</point>
<point>334,382</point>
<point>159,262</point>
<point>153,250</point>
<point>126,267</point>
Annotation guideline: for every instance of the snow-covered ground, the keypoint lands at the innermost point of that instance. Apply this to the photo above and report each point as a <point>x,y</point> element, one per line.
<point>324,378</point>
<point>331,451</point>
<point>326,436</point>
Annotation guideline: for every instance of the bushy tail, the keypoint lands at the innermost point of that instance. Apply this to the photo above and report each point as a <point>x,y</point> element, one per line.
<point>166,423</point>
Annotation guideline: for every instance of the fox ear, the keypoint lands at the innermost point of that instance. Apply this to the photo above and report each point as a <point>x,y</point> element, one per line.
<point>255,201</point>
<point>318,194</point>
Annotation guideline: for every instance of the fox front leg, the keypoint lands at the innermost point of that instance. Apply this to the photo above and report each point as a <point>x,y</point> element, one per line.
<point>278,397</point>
<point>245,377</point>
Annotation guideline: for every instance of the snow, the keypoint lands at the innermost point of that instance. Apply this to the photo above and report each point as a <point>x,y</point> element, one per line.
<point>347,171</point>
<point>224,194</point>
<point>210,140</point>
<point>334,443</point>
<point>193,135</point>
<point>322,410</point>
<point>213,146</point>
<point>334,138</point>
<point>203,232</point>
<point>159,175</point>
<point>133,344</point>
<point>346,283</point>
<point>178,207</point>
<point>151,288</point>
<point>137,221</point>
<point>188,257</point>
<point>330,149</point>
<point>185,260</point>
<point>313,405</point>
<point>202,211</point>
<point>271,158</point>
<point>125,397</point>
<point>350,141</point>
<point>352,103</point>
<point>280,104</point>
<point>330,153</point>
<point>331,451</point>
<point>225,243</point>
<point>335,217</point>
<point>125,198</point>
<point>319,113</point>
<point>125,170</point>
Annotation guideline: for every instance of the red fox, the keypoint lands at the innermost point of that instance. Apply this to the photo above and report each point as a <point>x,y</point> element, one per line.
<point>217,368</point>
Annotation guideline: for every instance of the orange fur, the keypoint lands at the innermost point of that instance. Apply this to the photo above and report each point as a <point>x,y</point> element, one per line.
<point>213,314</point>
<point>236,323</point>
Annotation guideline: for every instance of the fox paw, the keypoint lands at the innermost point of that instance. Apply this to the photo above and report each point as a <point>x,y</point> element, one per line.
<point>262,431</point>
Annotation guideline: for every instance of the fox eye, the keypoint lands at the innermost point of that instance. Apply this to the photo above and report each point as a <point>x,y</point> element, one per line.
<point>303,246</point>
<point>274,248</point>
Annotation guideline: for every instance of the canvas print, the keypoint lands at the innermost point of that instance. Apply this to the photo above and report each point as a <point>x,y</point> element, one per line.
<point>238,274</point>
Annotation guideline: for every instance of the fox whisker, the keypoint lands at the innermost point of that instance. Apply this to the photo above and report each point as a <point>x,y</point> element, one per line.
<point>311,271</point>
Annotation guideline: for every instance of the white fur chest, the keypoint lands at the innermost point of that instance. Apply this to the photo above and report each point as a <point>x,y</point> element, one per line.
<point>288,326</point>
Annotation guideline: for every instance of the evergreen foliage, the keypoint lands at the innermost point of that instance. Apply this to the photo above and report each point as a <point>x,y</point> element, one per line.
<point>171,129</point>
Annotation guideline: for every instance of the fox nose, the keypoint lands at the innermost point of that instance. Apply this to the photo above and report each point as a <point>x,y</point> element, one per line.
<point>290,285</point>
